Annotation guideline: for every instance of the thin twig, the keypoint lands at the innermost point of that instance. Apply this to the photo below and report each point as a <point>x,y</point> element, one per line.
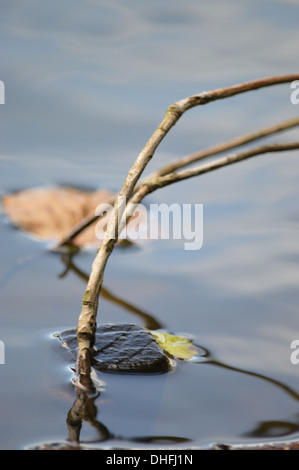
<point>82,225</point>
<point>87,319</point>
<point>182,162</point>
<point>223,147</point>
<point>166,180</point>
<point>174,112</point>
<point>149,320</point>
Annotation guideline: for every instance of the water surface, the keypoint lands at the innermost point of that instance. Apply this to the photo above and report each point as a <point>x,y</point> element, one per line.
<point>85,88</point>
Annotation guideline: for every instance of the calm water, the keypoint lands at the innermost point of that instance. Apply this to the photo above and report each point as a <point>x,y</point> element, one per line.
<point>85,87</point>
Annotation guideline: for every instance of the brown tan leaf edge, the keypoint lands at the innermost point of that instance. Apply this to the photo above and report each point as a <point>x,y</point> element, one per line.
<point>50,213</point>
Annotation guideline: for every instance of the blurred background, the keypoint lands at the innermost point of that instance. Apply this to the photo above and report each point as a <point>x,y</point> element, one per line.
<point>86,84</point>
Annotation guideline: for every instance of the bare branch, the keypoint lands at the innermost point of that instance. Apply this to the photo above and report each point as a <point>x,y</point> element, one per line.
<point>227,92</point>
<point>87,319</point>
<point>230,144</point>
<point>163,181</point>
<point>82,225</point>
<point>185,161</point>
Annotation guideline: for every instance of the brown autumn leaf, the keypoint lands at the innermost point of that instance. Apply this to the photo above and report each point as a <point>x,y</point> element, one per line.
<point>50,213</point>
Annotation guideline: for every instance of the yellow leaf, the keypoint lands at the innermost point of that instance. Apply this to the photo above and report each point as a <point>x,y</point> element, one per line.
<point>176,346</point>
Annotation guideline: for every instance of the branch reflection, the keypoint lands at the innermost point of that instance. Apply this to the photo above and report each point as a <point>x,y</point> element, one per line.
<point>85,410</point>
<point>149,320</point>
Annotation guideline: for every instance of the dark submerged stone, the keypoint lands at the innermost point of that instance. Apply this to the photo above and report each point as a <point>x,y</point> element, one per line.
<point>122,347</point>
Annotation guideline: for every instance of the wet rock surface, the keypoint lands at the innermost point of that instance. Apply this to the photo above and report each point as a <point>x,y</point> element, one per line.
<point>123,347</point>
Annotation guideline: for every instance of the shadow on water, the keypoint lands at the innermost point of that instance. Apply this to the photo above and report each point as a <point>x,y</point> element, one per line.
<point>149,321</point>
<point>85,410</point>
<point>86,407</point>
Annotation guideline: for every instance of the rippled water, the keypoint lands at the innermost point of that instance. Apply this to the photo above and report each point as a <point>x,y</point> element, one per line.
<point>85,88</point>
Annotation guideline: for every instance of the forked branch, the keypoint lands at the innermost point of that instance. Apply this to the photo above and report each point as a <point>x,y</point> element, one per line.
<point>87,319</point>
<point>183,162</point>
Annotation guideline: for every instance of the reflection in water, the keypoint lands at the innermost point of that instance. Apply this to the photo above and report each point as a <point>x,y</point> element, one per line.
<point>274,429</point>
<point>266,429</point>
<point>84,408</point>
<point>149,321</point>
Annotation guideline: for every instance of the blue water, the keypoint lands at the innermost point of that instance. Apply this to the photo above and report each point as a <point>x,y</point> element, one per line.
<point>85,87</point>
